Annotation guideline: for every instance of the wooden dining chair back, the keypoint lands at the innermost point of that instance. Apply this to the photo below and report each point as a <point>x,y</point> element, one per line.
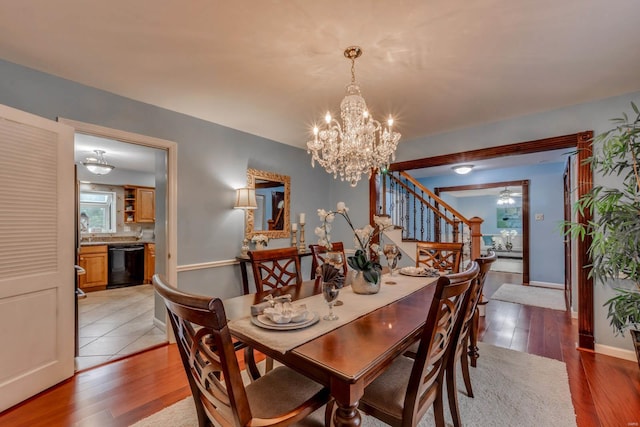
<point>274,268</point>
<point>319,253</point>
<point>463,347</point>
<point>441,256</point>
<point>402,394</point>
<point>209,359</point>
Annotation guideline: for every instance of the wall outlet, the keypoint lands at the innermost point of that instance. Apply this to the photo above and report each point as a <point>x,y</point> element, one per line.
<point>539,217</point>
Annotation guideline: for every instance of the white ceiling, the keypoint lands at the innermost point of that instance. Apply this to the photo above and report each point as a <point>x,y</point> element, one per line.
<point>272,68</point>
<point>122,155</point>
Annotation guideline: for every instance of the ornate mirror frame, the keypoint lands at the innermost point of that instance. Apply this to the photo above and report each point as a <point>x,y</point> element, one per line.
<point>252,176</point>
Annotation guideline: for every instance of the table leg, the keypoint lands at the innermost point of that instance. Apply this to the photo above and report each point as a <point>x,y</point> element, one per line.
<point>245,279</point>
<point>346,397</point>
<point>347,416</point>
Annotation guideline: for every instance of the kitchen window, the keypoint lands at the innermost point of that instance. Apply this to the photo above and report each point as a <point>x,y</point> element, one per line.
<point>97,212</point>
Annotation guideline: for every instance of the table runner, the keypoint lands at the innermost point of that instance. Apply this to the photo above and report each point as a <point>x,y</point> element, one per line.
<point>355,306</point>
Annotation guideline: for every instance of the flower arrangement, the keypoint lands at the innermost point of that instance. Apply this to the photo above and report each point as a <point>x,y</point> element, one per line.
<point>366,257</point>
<point>260,239</point>
<point>508,237</point>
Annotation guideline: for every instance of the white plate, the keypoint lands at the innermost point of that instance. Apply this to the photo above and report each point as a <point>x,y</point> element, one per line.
<point>264,322</point>
<point>417,272</point>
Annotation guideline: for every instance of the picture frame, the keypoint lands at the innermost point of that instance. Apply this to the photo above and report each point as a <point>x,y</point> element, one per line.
<point>509,217</point>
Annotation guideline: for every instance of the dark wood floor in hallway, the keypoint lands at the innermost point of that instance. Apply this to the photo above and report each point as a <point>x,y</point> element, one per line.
<point>605,390</point>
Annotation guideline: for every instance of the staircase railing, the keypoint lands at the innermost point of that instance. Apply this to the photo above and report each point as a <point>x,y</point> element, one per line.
<point>424,216</point>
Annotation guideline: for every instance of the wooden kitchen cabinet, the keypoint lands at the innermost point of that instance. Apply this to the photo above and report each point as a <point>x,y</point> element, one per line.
<point>94,260</point>
<point>139,204</point>
<point>149,261</point>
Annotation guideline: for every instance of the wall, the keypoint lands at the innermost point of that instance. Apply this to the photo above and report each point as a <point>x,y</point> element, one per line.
<point>572,119</point>
<point>212,163</point>
<point>545,197</point>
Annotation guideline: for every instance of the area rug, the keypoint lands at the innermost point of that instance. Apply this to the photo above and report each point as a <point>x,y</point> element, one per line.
<point>531,295</point>
<point>511,389</point>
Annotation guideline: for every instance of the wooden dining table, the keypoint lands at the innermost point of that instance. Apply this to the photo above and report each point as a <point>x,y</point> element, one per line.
<point>349,357</point>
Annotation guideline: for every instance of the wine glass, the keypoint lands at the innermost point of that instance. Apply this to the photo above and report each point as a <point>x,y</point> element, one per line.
<point>335,259</point>
<point>330,293</point>
<point>391,252</point>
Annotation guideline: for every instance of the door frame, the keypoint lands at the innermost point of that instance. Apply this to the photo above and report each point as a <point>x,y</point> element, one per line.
<point>171,148</point>
<point>581,143</point>
<point>524,184</point>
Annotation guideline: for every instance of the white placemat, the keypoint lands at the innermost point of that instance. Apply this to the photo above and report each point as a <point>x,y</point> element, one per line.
<point>354,306</point>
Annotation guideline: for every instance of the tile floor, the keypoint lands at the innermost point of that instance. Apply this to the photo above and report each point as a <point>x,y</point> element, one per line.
<point>114,323</point>
<point>507,265</point>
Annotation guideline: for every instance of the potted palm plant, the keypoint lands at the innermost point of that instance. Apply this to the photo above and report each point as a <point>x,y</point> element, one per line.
<point>615,227</point>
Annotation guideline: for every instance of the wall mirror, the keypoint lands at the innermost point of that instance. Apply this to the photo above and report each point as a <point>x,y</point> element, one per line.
<point>271,218</point>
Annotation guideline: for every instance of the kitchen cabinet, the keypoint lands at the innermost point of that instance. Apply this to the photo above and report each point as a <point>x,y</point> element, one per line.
<point>149,261</point>
<point>94,260</point>
<point>139,204</point>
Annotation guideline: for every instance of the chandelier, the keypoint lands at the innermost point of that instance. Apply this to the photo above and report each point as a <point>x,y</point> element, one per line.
<point>505,198</point>
<point>361,144</point>
<point>98,165</point>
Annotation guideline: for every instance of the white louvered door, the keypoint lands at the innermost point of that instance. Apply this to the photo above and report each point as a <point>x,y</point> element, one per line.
<point>37,250</point>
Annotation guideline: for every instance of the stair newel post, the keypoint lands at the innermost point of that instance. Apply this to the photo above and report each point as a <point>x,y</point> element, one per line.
<point>476,236</point>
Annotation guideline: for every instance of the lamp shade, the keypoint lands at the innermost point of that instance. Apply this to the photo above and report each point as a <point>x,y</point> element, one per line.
<point>246,198</point>
<point>98,165</point>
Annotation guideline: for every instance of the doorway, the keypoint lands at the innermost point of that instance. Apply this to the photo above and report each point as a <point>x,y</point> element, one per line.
<point>115,323</point>
<point>506,227</point>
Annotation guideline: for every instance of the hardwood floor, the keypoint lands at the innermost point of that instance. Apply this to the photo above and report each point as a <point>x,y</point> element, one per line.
<point>605,390</point>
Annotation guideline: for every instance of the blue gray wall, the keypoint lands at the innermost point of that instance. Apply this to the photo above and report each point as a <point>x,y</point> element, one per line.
<point>212,162</point>
<point>545,197</point>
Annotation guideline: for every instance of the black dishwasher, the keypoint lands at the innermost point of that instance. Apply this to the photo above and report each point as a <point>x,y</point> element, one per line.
<point>126,265</point>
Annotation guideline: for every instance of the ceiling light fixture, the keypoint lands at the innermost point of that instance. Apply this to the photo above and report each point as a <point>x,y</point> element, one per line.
<point>462,169</point>
<point>98,165</point>
<point>360,144</point>
<point>505,197</point>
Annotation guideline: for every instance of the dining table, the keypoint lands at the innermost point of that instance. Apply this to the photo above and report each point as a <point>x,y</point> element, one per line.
<point>347,354</point>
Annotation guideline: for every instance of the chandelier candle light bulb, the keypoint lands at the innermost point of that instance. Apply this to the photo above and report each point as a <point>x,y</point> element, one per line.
<point>361,144</point>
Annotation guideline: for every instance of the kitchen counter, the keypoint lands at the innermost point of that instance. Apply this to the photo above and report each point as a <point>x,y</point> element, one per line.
<point>116,242</point>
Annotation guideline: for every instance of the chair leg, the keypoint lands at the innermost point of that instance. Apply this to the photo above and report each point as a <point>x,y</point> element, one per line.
<point>452,392</point>
<point>250,363</point>
<point>473,338</point>
<point>268,364</point>
<point>464,365</point>
<point>328,412</point>
<point>438,408</point>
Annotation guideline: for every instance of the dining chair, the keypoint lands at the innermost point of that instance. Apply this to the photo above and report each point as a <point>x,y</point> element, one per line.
<point>280,397</point>
<point>466,344</point>
<point>403,393</point>
<point>274,268</point>
<point>441,256</point>
<point>318,255</point>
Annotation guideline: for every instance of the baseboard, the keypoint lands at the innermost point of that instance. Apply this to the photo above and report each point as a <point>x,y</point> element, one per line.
<point>159,324</point>
<point>574,314</point>
<point>547,285</point>
<point>616,352</point>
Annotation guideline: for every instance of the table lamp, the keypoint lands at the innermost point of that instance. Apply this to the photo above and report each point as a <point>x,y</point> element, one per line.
<point>245,199</point>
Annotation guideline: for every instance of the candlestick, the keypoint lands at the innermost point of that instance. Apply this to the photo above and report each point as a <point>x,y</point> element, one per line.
<point>294,242</point>
<point>302,247</point>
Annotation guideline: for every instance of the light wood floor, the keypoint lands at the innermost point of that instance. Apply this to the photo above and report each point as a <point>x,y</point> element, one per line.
<point>605,390</point>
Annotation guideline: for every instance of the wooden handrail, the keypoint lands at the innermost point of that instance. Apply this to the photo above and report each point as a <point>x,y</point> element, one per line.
<point>433,196</point>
